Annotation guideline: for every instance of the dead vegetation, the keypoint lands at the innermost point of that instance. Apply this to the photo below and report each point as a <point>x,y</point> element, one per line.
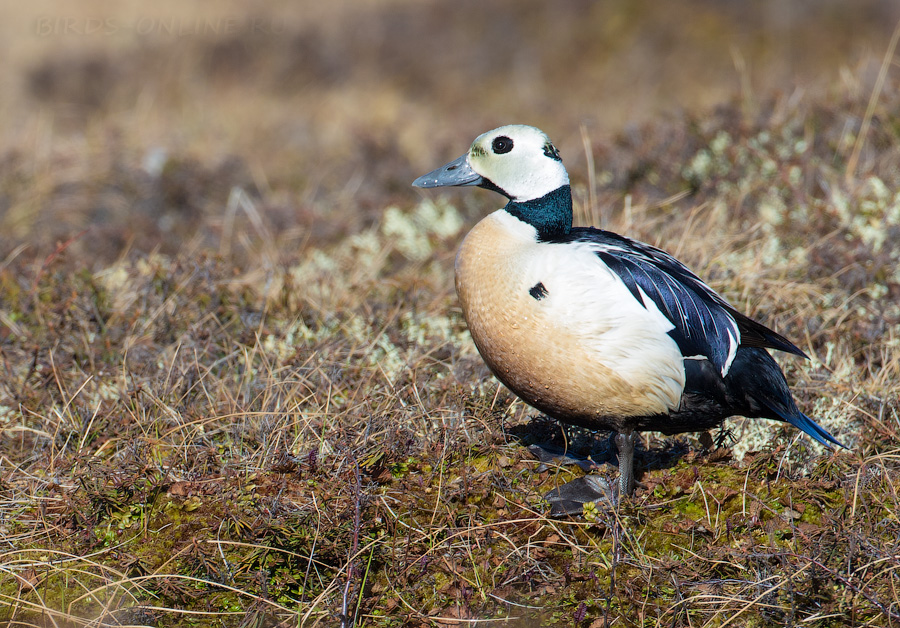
<point>237,389</point>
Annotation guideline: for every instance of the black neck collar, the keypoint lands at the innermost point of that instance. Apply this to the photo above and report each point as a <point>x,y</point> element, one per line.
<point>550,214</point>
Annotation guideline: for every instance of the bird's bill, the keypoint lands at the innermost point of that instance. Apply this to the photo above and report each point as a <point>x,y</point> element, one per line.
<point>457,172</point>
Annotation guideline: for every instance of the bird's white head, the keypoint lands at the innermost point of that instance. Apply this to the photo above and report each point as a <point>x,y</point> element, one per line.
<point>516,160</point>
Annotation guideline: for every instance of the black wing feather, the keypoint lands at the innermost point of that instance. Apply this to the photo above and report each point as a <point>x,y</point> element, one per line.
<point>701,317</point>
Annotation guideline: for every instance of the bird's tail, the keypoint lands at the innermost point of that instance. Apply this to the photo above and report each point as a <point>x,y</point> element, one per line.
<point>756,378</point>
<point>804,423</point>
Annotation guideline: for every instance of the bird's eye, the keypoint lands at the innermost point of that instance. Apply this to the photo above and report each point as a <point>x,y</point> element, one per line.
<point>502,145</point>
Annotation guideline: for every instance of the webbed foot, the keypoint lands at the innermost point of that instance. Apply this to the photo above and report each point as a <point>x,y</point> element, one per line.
<point>549,457</point>
<point>570,498</point>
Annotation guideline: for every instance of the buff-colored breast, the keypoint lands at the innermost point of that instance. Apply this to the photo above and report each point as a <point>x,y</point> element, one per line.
<point>530,343</point>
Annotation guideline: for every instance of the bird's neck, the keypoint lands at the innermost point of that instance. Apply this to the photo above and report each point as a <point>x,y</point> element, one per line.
<point>550,214</point>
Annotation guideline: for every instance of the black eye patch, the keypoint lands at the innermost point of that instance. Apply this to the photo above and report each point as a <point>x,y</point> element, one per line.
<point>502,145</point>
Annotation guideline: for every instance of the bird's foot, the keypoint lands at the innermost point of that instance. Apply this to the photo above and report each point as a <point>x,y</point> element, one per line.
<point>549,457</point>
<point>570,498</point>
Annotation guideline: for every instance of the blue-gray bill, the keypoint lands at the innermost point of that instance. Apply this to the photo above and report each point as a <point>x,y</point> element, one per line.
<point>457,172</point>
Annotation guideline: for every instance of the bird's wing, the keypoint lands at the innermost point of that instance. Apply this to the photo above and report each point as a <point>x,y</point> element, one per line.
<point>705,325</point>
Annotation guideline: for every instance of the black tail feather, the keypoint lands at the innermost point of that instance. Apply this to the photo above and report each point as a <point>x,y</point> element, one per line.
<point>756,380</point>
<point>754,334</point>
<point>805,424</point>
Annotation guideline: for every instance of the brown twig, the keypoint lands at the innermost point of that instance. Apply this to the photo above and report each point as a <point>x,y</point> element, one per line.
<point>346,617</point>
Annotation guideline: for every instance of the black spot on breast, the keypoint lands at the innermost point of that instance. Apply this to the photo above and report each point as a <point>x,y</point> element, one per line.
<point>538,291</point>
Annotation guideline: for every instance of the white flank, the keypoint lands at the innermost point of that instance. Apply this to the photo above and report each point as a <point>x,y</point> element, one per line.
<point>590,302</point>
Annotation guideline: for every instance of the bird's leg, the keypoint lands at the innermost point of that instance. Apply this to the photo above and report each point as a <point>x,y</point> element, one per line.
<point>625,444</point>
<point>569,499</point>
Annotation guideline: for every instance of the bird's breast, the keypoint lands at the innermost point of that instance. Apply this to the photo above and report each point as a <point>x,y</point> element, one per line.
<point>560,330</point>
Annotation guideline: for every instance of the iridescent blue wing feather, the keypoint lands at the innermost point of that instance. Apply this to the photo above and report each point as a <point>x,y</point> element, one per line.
<point>704,323</point>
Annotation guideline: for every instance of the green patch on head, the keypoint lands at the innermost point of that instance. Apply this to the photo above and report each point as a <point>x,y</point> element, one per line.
<point>551,151</point>
<point>477,150</point>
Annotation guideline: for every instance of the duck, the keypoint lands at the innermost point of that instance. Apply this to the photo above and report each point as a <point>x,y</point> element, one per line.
<point>598,330</point>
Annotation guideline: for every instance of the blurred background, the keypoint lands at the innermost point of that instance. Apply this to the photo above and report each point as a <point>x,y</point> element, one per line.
<point>139,120</point>
<point>213,266</point>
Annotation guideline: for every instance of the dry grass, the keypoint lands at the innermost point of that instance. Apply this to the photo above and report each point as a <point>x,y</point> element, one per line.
<point>237,389</point>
